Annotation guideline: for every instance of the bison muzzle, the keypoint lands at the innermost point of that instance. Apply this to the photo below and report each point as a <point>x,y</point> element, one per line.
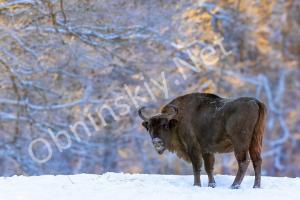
<point>198,125</point>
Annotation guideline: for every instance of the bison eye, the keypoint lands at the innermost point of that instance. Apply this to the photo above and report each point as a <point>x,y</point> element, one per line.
<point>166,126</point>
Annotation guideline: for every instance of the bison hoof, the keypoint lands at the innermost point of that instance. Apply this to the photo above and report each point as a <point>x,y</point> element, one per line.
<point>256,186</point>
<point>213,185</point>
<point>236,186</point>
<point>197,184</point>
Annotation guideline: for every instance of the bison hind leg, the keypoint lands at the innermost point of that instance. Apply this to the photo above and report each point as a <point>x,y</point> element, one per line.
<point>243,163</point>
<point>256,159</point>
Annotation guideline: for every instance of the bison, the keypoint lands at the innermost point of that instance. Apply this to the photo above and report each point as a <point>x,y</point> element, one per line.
<point>198,125</point>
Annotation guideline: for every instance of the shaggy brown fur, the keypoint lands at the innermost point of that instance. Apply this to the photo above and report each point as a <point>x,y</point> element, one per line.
<point>197,125</point>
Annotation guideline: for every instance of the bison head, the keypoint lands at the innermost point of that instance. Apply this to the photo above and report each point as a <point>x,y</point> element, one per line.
<point>160,126</point>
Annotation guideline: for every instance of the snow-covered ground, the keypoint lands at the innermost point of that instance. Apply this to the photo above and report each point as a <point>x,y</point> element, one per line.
<point>114,186</point>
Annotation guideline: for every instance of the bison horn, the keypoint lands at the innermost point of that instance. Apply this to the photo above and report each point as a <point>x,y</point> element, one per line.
<point>141,113</point>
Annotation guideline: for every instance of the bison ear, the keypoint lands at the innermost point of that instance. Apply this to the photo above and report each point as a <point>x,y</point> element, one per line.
<point>146,125</point>
<point>172,123</point>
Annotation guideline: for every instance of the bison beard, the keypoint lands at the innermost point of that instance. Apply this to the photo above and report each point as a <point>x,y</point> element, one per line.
<point>197,125</point>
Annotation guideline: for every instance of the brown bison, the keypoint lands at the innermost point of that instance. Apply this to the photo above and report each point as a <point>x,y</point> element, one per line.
<point>197,125</point>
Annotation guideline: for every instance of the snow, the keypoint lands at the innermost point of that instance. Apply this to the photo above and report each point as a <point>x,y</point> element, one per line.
<point>115,186</point>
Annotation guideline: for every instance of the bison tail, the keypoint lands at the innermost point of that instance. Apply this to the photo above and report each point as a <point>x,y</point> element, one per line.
<point>257,137</point>
<point>256,143</point>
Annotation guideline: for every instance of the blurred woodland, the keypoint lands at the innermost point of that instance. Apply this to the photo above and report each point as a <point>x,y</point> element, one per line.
<point>59,58</point>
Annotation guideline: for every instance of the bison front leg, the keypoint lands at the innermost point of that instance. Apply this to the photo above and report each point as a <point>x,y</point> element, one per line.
<point>197,163</point>
<point>197,171</point>
<point>209,161</point>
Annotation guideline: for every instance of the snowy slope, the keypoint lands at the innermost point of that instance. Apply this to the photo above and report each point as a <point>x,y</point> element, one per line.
<point>113,186</point>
